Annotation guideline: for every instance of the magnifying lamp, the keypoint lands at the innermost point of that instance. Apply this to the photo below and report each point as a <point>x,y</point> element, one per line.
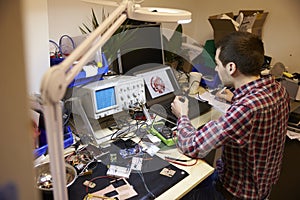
<point>57,78</point>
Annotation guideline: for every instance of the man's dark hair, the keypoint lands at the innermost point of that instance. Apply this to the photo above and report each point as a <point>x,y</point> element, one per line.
<point>245,49</point>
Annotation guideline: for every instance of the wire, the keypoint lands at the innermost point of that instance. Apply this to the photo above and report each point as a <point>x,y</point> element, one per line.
<point>176,159</point>
<point>146,187</point>
<point>87,165</point>
<point>62,46</point>
<point>193,84</point>
<point>57,52</point>
<point>180,163</point>
<point>117,134</point>
<point>98,177</point>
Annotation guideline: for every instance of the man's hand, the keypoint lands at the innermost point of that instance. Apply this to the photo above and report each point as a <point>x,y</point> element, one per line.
<point>180,106</point>
<point>225,94</point>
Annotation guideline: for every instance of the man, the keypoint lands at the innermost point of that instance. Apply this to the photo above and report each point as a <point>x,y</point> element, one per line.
<point>252,132</point>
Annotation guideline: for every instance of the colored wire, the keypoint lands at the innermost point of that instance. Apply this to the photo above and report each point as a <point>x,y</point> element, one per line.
<point>57,51</point>
<point>182,164</point>
<point>98,177</point>
<point>70,39</point>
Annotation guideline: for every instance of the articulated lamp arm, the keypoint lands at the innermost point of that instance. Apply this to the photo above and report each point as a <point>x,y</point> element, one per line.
<point>54,86</point>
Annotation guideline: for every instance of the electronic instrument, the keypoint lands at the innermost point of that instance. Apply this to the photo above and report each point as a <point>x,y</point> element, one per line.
<point>110,96</point>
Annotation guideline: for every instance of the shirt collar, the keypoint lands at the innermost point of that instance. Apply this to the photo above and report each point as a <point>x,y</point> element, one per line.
<point>262,82</point>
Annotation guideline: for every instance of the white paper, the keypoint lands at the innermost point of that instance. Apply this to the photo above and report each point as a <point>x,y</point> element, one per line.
<point>219,105</point>
<point>90,70</point>
<point>293,135</point>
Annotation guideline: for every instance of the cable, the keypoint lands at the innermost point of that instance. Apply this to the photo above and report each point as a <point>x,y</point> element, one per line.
<point>120,132</point>
<point>57,53</point>
<point>98,177</point>
<point>62,46</point>
<point>87,166</point>
<point>193,84</point>
<point>146,187</point>
<point>182,164</point>
<point>176,159</point>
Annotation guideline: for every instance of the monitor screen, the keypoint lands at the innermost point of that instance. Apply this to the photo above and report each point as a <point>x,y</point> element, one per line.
<point>158,83</point>
<point>105,98</point>
<point>143,49</point>
<point>167,88</point>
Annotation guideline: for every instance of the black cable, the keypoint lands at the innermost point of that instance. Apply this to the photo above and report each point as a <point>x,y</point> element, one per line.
<point>176,159</point>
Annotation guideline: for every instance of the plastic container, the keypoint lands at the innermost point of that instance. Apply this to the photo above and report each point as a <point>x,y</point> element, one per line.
<point>83,78</point>
<point>68,141</point>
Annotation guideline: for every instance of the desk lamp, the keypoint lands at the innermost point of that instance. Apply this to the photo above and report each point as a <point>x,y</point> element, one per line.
<point>57,78</point>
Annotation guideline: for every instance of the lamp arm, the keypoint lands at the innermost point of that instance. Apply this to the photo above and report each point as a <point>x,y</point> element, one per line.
<point>54,86</point>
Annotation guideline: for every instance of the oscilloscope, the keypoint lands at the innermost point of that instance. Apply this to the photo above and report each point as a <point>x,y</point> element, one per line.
<point>110,96</point>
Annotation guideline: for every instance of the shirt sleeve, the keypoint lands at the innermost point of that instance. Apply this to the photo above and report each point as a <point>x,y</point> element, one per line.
<point>232,128</point>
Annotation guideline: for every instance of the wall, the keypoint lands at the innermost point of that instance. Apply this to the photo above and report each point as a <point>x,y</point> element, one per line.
<point>16,132</point>
<point>280,32</point>
<point>36,36</point>
<point>65,17</point>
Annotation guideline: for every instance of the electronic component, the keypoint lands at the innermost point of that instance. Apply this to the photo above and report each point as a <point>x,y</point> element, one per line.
<point>167,172</point>
<point>130,152</point>
<point>154,139</point>
<point>118,171</point>
<point>110,96</point>
<point>136,163</point>
<point>113,157</point>
<point>150,148</point>
<point>163,132</point>
<point>89,184</point>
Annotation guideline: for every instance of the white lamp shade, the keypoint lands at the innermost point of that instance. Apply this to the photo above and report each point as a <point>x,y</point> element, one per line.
<point>154,14</point>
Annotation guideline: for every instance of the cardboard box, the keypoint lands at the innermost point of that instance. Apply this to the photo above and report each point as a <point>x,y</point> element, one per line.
<point>253,22</point>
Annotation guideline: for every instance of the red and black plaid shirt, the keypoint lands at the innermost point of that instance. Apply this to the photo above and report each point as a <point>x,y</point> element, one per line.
<point>252,133</point>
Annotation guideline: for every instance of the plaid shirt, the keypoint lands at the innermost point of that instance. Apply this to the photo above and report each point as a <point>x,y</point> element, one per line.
<point>252,133</point>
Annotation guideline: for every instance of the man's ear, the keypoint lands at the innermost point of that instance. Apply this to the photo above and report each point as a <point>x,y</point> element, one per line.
<point>231,68</point>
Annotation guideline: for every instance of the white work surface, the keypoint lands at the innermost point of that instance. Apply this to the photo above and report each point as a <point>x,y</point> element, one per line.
<point>197,173</point>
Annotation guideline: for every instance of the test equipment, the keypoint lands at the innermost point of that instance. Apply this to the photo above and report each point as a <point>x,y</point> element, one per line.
<point>110,96</point>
